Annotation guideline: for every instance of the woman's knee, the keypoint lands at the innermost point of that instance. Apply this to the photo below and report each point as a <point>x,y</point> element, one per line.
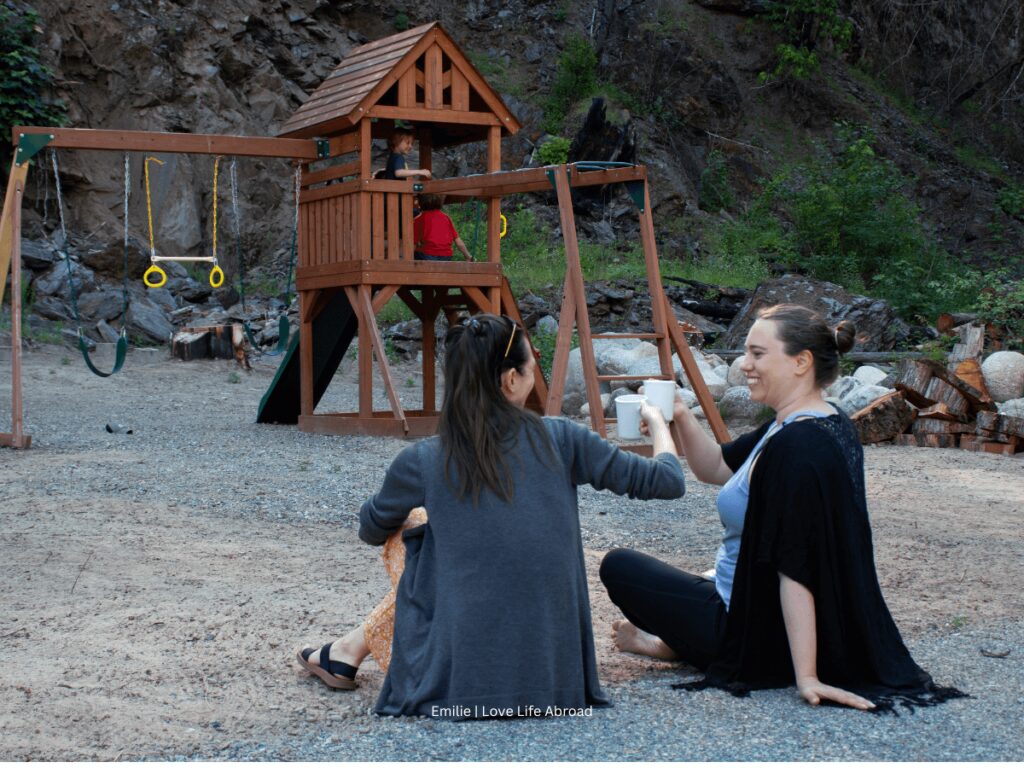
<point>616,564</point>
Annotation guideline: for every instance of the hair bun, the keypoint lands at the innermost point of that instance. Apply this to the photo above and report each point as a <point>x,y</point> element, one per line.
<point>846,334</point>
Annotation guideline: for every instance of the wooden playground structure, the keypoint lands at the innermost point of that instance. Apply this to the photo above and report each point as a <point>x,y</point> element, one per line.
<point>355,239</point>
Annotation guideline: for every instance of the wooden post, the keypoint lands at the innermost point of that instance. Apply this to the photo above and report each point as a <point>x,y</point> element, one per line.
<point>306,301</point>
<point>494,210</point>
<point>427,318</point>
<point>362,295</point>
<point>654,287</point>
<point>17,438</point>
<point>365,173</point>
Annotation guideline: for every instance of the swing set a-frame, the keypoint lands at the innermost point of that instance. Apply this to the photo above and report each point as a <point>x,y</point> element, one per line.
<point>355,235</point>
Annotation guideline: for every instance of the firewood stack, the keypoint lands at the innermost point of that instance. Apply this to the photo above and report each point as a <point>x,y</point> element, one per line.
<point>942,406</point>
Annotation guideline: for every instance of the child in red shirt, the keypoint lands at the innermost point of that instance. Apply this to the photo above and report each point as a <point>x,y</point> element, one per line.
<point>433,232</point>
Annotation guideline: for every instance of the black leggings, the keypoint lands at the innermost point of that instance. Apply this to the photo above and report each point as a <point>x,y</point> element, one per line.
<point>684,610</point>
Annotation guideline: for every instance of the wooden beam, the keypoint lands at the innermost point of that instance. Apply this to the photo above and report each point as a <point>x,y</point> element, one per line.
<point>332,173</point>
<point>528,180</point>
<point>425,115</point>
<point>154,141</point>
<point>427,314</point>
<point>432,88</point>
<point>476,297</point>
<point>366,310</point>
<point>574,276</point>
<point>383,297</point>
<point>19,173</point>
<point>365,356</point>
<point>460,90</point>
<point>407,88</point>
<point>510,308</point>
<point>563,344</point>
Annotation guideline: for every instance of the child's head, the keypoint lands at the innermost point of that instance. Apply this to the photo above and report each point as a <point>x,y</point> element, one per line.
<point>401,140</point>
<point>429,202</point>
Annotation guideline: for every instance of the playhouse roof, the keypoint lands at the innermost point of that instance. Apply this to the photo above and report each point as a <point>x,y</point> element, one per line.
<point>419,76</point>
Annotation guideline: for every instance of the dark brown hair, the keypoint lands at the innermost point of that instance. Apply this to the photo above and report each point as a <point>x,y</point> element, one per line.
<point>395,138</point>
<point>478,425</point>
<point>431,202</point>
<point>800,328</point>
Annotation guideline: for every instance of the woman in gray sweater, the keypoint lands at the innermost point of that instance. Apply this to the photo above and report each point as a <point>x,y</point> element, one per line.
<point>492,614</point>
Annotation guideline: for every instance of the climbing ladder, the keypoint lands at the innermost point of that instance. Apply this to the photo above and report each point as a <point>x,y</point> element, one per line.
<point>667,334</point>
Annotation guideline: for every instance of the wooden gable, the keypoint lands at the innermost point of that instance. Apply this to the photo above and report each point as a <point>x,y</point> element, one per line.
<point>419,76</point>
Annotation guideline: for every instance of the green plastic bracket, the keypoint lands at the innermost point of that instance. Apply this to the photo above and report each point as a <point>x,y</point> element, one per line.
<point>323,148</point>
<point>551,177</point>
<point>30,145</point>
<point>636,191</point>
<point>417,187</point>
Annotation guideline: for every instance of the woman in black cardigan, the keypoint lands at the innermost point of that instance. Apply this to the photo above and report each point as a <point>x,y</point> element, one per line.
<point>795,596</point>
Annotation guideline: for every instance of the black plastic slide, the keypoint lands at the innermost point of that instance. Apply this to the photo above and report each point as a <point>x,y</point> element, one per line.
<point>333,331</point>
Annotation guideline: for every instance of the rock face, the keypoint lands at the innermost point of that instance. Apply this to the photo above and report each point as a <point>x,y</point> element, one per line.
<point>878,327</point>
<point>868,374</point>
<point>1013,408</point>
<point>1004,375</point>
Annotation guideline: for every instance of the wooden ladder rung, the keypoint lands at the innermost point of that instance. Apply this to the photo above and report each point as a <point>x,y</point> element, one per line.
<point>635,376</point>
<point>627,336</point>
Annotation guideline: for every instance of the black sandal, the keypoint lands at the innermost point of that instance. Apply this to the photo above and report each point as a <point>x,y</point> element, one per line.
<point>334,674</point>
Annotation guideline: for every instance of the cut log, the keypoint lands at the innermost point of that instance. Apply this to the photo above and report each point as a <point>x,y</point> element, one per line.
<point>939,391</point>
<point>941,411</point>
<point>970,372</point>
<point>908,441</point>
<point>980,401</point>
<point>948,321</point>
<point>912,379</point>
<point>191,345</point>
<point>883,419</point>
<point>940,427</point>
<point>985,446</point>
<point>1000,422</point>
<point>971,345</point>
<point>936,441</point>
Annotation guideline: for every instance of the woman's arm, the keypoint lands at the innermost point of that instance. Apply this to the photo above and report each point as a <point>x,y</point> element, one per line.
<point>700,450</point>
<point>798,613</point>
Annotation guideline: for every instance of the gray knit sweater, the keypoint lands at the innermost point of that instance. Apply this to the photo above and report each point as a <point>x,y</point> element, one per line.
<point>492,614</point>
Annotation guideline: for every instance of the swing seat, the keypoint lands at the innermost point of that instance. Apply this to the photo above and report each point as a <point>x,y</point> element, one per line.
<point>120,353</point>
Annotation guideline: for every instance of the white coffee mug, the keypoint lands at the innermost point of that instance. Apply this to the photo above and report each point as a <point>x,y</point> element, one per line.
<point>662,394</point>
<point>627,415</point>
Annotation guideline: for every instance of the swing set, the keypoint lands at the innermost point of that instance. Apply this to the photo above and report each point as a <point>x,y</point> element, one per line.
<point>30,141</point>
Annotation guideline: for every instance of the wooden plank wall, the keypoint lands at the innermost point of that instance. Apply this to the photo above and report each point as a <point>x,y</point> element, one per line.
<point>329,228</point>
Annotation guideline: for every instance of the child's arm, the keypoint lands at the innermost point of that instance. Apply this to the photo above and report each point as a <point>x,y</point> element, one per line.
<point>406,173</point>
<point>462,247</point>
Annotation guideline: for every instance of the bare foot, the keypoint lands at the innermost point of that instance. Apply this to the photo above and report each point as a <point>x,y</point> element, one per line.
<point>629,639</point>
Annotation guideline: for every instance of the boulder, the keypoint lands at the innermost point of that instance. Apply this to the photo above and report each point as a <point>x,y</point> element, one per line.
<point>38,255</point>
<point>736,377</point>
<point>1014,408</point>
<point>105,304</point>
<point>861,397</point>
<point>147,319</point>
<point>878,327</point>
<point>52,308</point>
<point>842,386</point>
<point>736,404</point>
<point>868,374</point>
<point>688,398</point>
<point>54,282</point>
<point>548,325</point>
<point>722,372</point>
<point>106,332</point>
<point>163,298</point>
<point>1004,375</point>
<point>606,400</point>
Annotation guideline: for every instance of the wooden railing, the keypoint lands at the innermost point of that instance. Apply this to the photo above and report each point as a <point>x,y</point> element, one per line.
<point>356,220</point>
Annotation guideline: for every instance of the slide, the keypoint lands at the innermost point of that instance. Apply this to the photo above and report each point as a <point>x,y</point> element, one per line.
<point>333,331</point>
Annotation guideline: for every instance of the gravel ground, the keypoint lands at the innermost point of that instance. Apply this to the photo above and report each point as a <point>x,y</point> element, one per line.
<point>167,575</point>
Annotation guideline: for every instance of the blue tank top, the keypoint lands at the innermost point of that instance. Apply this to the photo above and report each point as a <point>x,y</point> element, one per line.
<point>732,510</point>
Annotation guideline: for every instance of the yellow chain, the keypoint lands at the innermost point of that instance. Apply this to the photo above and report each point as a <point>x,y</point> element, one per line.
<point>216,166</point>
<point>149,206</point>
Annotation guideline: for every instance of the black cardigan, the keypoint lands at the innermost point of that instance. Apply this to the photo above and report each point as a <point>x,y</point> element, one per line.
<point>807,518</point>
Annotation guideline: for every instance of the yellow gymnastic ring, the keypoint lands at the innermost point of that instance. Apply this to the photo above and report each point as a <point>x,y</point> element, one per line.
<point>154,277</point>
<point>216,276</point>
<point>504,225</point>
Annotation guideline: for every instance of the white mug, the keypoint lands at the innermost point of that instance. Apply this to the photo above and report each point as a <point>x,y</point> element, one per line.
<point>627,415</point>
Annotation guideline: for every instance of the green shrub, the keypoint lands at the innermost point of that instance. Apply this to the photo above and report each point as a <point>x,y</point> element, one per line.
<point>1001,302</point>
<point>575,79</point>
<point>401,21</point>
<point>804,26</point>
<point>1011,200</point>
<point>23,78</point>
<point>554,151</point>
<point>714,192</point>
